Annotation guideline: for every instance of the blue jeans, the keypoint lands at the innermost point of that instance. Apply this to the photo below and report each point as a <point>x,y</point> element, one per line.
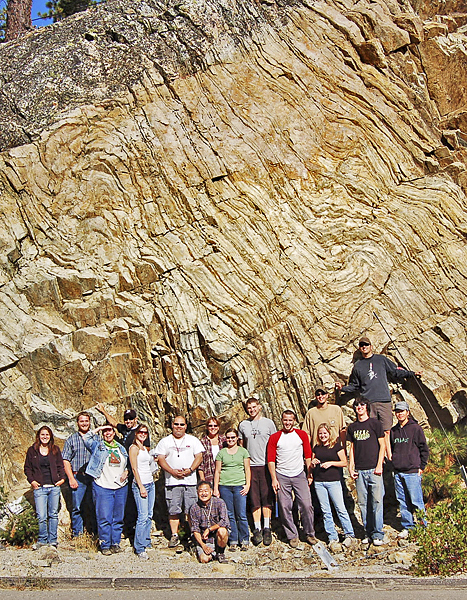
<point>370,494</point>
<point>409,494</point>
<point>144,506</point>
<point>77,497</point>
<point>110,507</point>
<point>236,507</point>
<point>47,500</point>
<point>332,490</point>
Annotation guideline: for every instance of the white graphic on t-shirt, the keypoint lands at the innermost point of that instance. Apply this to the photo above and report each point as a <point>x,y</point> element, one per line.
<point>371,373</point>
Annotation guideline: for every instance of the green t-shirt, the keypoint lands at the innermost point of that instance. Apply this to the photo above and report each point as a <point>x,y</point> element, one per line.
<point>233,469</point>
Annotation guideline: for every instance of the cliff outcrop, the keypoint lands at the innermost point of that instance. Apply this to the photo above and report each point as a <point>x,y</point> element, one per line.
<point>203,200</point>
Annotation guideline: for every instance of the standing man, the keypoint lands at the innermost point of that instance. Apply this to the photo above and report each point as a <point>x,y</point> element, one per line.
<point>369,380</point>
<point>288,450</point>
<point>255,433</point>
<point>75,459</point>
<point>179,455</point>
<point>409,458</point>
<point>323,412</point>
<point>126,429</point>
<point>210,524</point>
<point>367,447</point>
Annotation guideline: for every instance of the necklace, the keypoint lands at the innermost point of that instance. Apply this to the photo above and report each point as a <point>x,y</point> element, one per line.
<point>181,444</point>
<point>208,514</point>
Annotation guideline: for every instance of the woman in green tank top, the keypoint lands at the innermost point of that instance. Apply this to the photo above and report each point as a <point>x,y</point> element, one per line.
<point>232,482</point>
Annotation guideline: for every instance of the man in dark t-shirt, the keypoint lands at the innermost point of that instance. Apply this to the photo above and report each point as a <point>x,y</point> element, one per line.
<point>367,447</point>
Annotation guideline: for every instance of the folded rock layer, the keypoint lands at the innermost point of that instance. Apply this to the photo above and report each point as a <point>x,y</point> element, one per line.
<point>205,200</point>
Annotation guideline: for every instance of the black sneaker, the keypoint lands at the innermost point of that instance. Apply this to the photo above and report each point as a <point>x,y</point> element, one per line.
<point>257,537</point>
<point>267,536</point>
<point>222,558</point>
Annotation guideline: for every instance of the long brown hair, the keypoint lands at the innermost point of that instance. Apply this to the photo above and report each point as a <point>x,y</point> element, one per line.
<point>140,426</point>
<point>51,443</point>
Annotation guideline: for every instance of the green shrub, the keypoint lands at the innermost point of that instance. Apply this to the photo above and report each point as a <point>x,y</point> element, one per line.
<point>441,478</point>
<point>22,529</point>
<point>442,547</point>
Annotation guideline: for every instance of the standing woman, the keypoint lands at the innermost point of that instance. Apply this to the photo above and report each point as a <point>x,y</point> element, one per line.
<point>212,442</point>
<point>143,490</point>
<point>107,466</point>
<point>232,479</point>
<point>45,472</point>
<point>328,458</point>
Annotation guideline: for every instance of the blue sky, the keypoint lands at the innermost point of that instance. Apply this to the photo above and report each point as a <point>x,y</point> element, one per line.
<point>39,6</point>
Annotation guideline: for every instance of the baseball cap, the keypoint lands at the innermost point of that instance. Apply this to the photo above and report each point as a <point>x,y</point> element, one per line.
<point>403,405</point>
<point>364,340</point>
<point>129,414</point>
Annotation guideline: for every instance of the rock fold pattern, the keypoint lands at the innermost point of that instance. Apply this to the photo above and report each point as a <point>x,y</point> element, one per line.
<point>202,200</point>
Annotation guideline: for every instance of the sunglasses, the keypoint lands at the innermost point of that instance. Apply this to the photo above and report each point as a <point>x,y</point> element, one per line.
<point>231,437</point>
<point>363,344</point>
<point>144,432</point>
<point>179,424</point>
<point>212,426</point>
<point>360,404</point>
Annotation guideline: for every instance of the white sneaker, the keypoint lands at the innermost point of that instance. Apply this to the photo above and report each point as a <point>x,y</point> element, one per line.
<point>143,556</point>
<point>378,542</point>
<point>366,541</point>
<point>403,535</point>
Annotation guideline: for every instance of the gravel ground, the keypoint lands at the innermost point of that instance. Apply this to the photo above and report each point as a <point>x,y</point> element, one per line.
<point>69,560</point>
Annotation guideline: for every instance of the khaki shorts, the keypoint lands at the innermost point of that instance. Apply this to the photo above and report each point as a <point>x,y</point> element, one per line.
<point>383,412</point>
<point>180,498</point>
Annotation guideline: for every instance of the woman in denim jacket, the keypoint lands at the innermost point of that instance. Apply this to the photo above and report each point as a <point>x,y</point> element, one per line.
<point>108,467</point>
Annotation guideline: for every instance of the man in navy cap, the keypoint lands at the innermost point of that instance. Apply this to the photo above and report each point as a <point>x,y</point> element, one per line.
<point>409,458</point>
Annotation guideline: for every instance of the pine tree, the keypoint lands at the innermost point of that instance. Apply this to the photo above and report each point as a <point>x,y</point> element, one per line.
<point>60,9</point>
<point>18,18</point>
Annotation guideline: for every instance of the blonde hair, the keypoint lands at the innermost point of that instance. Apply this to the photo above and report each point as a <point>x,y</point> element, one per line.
<point>332,442</point>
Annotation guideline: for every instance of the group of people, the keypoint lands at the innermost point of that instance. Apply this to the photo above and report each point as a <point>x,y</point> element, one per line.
<point>210,480</point>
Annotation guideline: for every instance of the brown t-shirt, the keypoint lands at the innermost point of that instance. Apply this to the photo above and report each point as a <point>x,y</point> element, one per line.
<point>331,415</point>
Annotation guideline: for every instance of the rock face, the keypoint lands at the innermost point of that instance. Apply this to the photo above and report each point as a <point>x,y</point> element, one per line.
<point>203,200</point>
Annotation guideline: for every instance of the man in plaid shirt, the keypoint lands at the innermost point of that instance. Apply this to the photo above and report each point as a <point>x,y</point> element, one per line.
<point>75,459</point>
<point>210,524</point>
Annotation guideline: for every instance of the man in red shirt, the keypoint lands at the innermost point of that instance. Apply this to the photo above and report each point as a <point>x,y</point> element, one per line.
<point>288,450</point>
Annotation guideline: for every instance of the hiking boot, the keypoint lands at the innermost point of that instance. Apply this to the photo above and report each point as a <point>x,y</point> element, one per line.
<point>233,548</point>
<point>312,540</point>
<point>267,536</point>
<point>348,542</point>
<point>244,547</point>
<point>257,537</point>
<point>116,549</point>
<point>174,541</point>
<point>222,558</point>
<point>294,542</point>
<point>106,551</point>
